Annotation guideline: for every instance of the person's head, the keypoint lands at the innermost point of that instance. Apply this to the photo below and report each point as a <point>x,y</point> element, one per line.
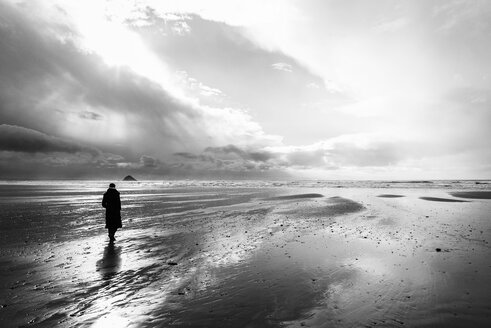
<point>112,185</point>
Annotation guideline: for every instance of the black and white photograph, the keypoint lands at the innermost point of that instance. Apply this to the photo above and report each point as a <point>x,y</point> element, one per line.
<point>245,164</point>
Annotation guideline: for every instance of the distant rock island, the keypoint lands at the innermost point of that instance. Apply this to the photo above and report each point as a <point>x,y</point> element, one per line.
<point>129,178</point>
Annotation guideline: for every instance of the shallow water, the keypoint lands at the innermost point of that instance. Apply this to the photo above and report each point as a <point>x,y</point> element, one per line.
<point>250,254</point>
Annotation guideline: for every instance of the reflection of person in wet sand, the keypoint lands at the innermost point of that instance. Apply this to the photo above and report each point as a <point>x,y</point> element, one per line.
<point>112,203</point>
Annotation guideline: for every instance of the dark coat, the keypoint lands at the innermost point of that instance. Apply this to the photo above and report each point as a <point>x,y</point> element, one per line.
<point>112,204</point>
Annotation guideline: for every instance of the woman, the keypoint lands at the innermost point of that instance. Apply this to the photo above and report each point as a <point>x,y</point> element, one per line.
<point>112,204</point>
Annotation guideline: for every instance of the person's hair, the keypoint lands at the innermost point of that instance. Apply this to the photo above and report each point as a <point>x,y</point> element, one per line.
<point>112,185</point>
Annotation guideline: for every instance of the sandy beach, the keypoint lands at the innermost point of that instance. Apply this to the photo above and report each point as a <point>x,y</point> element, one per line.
<point>245,164</point>
<point>246,255</point>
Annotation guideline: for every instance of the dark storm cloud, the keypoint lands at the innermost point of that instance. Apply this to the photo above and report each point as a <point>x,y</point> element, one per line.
<point>19,139</point>
<point>191,156</point>
<point>229,158</point>
<point>186,155</point>
<point>37,66</point>
<point>254,155</point>
<point>48,82</point>
<point>58,92</point>
<point>63,100</point>
<point>148,161</point>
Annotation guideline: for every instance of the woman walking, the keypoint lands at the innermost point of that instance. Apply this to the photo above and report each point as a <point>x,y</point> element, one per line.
<point>112,204</point>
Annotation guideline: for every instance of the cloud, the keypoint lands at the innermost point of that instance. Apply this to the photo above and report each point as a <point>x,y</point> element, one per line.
<point>306,158</point>
<point>181,28</point>
<point>226,58</point>
<point>230,158</point>
<point>191,156</point>
<point>48,79</point>
<point>169,93</point>
<point>346,151</point>
<point>378,154</point>
<point>458,16</point>
<point>197,89</point>
<point>470,96</point>
<point>313,85</point>
<point>26,153</point>
<point>225,152</point>
<point>282,67</point>
<point>392,25</point>
<point>148,161</point>
<point>207,91</point>
<point>186,155</point>
<point>19,139</point>
<point>88,115</point>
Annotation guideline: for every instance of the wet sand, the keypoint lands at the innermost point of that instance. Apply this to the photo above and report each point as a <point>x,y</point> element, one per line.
<point>472,194</point>
<point>390,196</point>
<point>439,199</point>
<point>245,257</point>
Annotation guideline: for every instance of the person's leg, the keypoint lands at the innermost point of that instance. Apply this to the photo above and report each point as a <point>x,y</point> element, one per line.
<point>111,232</point>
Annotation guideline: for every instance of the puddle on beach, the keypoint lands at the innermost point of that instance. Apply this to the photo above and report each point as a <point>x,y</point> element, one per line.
<point>249,258</point>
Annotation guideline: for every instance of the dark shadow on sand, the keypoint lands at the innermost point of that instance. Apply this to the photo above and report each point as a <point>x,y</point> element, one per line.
<point>298,196</point>
<point>472,194</point>
<point>328,207</point>
<point>110,264</point>
<point>448,200</point>
<point>390,196</point>
<point>413,181</point>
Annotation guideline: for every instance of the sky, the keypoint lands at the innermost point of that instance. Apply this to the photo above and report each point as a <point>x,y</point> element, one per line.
<point>279,89</point>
